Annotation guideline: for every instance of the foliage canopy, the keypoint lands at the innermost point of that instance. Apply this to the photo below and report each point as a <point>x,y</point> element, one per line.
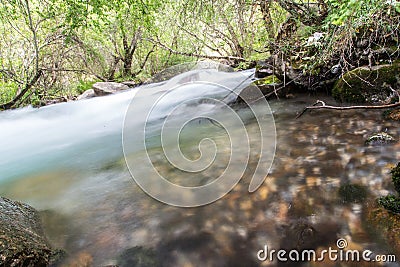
<point>50,47</point>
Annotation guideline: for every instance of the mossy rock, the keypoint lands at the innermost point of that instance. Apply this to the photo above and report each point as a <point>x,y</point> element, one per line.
<point>384,214</point>
<point>396,177</point>
<point>365,85</point>
<point>391,203</point>
<point>269,80</point>
<point>386,223</point>
<point>22,241</point>
<point>269,84</point>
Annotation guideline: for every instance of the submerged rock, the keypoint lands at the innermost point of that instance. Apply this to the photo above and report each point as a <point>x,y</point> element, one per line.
<point>107,88</point>
<point>139,257</point>
<point>350,193</point>
<point>380,139</point>
<point>22,241</point>
<point>83,259</point>
<point>367,85</point>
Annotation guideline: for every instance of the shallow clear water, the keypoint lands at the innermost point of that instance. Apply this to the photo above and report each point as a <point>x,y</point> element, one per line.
<point>99,212</point>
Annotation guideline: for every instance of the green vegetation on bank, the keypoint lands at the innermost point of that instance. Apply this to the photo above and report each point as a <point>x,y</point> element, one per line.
<point>392,202</point>
<point>55,49</point>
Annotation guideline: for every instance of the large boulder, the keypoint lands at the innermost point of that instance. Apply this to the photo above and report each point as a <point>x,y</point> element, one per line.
<point>22,241</point>
<point>367,85</point>
<point>107,88</point>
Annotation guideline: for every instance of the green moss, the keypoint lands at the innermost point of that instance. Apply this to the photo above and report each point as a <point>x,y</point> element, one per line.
<point>269,80</point>
<point>396,177</point>
<point>350,193</point>
<point>364,85</point>
<point>390,202</point>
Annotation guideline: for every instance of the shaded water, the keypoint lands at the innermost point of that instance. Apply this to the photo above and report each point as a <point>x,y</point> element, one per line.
<point>97,213</point>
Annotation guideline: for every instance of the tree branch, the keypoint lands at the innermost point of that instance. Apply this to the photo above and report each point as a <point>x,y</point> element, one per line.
<point>28,86</point>
<point>145,61</point>
<point>198,38</point>
<point>194,54</point>
<point>34,35</point>
<point>321,105</point>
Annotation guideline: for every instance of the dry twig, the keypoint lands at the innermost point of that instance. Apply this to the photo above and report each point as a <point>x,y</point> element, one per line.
<point>321,105</point>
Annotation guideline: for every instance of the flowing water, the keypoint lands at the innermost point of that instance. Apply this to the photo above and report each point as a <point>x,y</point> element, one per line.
<point>66,161</point>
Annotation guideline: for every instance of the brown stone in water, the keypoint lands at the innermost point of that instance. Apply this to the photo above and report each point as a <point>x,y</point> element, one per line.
<point>22,241</point>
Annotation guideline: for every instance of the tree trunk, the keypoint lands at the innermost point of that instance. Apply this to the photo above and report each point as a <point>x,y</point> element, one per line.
<point>28,86</point>
<point>113,68</point>
<point>265,6</point>
<point>127,72</point>
<point>37,72</point>
<point>129,50</point>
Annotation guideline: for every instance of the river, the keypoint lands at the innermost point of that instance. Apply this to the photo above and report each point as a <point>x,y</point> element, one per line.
<point>94,210</point>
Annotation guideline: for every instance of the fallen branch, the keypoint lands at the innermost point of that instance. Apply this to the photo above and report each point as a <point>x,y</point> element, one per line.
<point>321,105</point>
